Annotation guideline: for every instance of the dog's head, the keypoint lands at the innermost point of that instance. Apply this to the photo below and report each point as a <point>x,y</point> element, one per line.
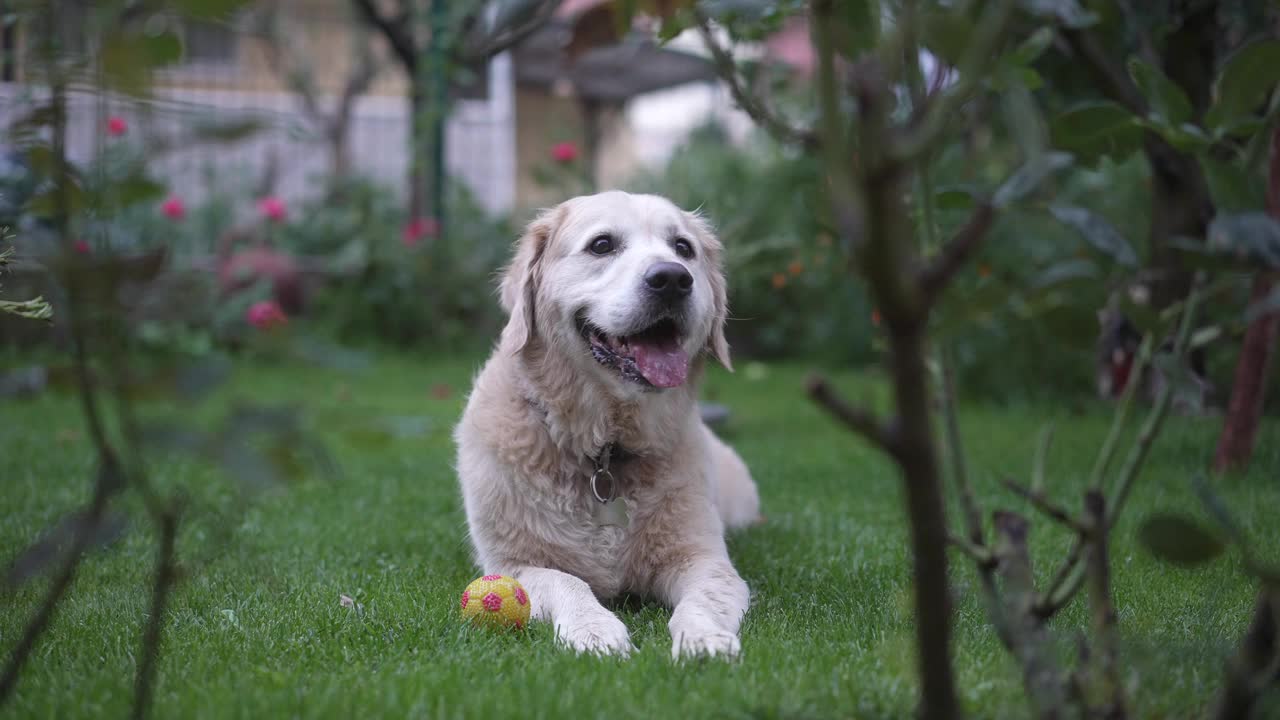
<point>629,286</point>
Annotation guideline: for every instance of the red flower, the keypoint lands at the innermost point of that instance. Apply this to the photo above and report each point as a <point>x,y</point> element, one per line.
<point>116,126</point>
<point>418,229</point>
<point>875,317</point>
<point>81,247</point>
<point>173,208</point>
<point>779,281</point>
<point>266,314</point>
<point>272,208</point>
<point>564,153</point>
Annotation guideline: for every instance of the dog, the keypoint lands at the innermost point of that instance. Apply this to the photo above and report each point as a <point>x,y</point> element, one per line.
<point>585,468</point>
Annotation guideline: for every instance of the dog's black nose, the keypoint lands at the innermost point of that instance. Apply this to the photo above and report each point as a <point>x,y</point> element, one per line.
<point>669,280</point>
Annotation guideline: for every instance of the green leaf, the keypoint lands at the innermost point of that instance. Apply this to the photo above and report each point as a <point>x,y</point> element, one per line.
<point>1204,336</point>
<point>1186,388</point>
<point>35,309</point>
<point>1191,253</point>
<point>954,197</point>
<point>1179,540</point>
<point>1067,13</point>
<point>1029,50</point>
<point>1098,232</point>
<point>1168,103</point>
<point>1062,274</point>
<point>1023,116</point>
<point>1252,237</point>
<point>857,26</point>
<point>1093,130</point>
<point>946,34</point>
<point>47,203</point>
<point>1185,137</point>
<point>1217,507</point>
<point>126,65</point>
<point>1231,187</point>
<point>1248,77</point>
<point>1028,178</point>
<point>209,9</point>
<point>137,190</point>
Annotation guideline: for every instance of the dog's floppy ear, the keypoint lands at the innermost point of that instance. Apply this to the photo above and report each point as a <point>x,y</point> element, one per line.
<point>519,286</point>
<point>716,344</point>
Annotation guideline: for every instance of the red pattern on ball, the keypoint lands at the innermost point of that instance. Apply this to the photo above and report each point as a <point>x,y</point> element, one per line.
<point>491,577</point>
<point>466,596</point>
<point>492,602</point>
<point>521,597</point>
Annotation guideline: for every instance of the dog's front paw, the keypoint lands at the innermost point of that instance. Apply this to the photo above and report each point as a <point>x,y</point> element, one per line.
<point>598,633</point>
<point>692,642</point>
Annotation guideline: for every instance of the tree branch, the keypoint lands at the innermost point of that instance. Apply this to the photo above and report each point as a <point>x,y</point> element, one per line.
<point>397,34</point>
<point>860,420</point>
<point>512,36</point>
<point>938,273</point>
<point>1026,637</point>
<point>980,555</point>
<point>166,573</point>
<point>756,108</point>
<point>943,109</point>
<point>1102,613</point>
<point>1050,509</point>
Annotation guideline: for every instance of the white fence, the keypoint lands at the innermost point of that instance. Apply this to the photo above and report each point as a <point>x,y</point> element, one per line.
<point>480,139</point>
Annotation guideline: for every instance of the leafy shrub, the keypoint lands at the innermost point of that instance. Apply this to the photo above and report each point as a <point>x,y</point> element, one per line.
<point>400,283</point>
<point>788,290</point>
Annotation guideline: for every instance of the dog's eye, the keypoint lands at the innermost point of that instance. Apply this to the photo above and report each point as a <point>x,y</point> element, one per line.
<point>601,245</point>
<point>683,248</point>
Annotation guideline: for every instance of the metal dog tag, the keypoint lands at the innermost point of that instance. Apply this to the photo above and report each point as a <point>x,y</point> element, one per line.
<point>613,513</point>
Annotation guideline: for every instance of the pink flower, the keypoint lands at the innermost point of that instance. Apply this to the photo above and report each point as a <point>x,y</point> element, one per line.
<point>266,314</point>
<point>81,247</point>
<point>419,228</point>
<point>173,208</point>
<point>272,208</point>
<point>564,153</point>
<point>116,126</point>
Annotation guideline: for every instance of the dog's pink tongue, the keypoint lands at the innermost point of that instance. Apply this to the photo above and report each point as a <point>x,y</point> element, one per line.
<point>662,362</point>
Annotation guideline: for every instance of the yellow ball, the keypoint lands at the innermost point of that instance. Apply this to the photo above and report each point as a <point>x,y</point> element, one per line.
<point>496,601</point>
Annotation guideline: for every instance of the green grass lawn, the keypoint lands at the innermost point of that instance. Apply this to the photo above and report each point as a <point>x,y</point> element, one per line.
<point>256,630</point>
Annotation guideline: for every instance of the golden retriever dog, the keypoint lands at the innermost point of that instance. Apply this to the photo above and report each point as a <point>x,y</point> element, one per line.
<point>585,467</point>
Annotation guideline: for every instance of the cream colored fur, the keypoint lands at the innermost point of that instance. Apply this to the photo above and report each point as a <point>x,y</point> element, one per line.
<point>542,408</point>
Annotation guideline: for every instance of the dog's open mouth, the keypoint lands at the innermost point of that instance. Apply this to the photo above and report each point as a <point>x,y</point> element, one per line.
<point>652,356</point>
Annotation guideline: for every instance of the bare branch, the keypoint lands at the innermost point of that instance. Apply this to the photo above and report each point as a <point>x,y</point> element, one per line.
<point>981,556</point>
<point>1052,510</point>
<point>944,107</point>
<point>358,83</point>
<point>1071,574</point>
<point>396,33</point>
<point>512,36</point>
<point>938,273</point>
<point>166,574</point>
<point>764,116</point>
<point>1025,634</point>
<point>1041,459</point>
<point>1102,613</point>
<point>860,420</point>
